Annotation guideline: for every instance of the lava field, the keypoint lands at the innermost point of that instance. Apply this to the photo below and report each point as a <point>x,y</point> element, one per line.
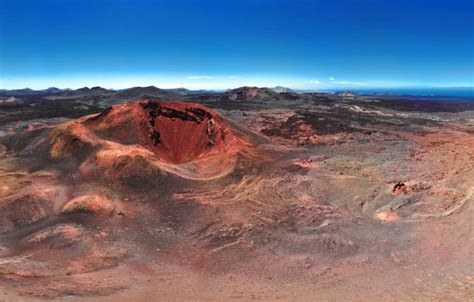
<point>243,195</point>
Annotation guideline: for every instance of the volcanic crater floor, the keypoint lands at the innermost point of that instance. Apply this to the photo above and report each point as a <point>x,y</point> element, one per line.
<point>301,200</point>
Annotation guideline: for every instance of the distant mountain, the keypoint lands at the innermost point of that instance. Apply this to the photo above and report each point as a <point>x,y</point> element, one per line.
<point>51,90</point>
<point>133,93</point>
<point>82,90</point>
<point>149,91</point>
<point>29,92</point>
<point>86,91</point>
<point>182,91</point>
<point>242,94</point>
<point>280,89</point>
<point>99,89</point>
<point>185,91</point>
<point>18,92</point>
<point>249,94</point>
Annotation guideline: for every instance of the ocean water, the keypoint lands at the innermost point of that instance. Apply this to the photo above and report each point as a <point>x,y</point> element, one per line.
<point>464,93</point>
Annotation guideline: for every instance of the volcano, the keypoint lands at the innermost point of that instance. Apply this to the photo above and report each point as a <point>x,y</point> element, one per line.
<point>187,139</point>
<point>175,132</point>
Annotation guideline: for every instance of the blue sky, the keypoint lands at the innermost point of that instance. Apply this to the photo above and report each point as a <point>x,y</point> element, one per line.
<point>227,43</point>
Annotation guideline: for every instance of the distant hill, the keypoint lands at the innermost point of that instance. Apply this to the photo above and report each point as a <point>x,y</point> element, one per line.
<point>86,91</point>
<point>249,94</point>
<point>55,91</point>
<point>185,91</point>
<point>239,94</point>
<point>281,89</point>
<point>18,92</point>
<point>51,90</point>
<point>149,91</point>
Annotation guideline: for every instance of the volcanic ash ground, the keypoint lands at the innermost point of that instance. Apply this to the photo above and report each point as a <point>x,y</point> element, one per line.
<point>167,199</point>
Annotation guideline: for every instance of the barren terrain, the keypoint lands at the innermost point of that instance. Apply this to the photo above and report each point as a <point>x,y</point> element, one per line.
<point>171,195</point>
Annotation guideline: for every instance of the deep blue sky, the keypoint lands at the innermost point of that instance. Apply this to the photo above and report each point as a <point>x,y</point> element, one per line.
<point>226,43</point>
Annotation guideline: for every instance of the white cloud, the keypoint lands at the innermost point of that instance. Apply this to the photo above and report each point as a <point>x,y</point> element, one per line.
<point>350,83</point>
<point>234,77</point>
<point>314,82</point>
<point>332,79</point>
<point>203,77</point>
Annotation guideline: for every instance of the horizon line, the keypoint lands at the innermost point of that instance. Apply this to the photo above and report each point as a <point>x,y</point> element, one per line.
<point>257,86</point>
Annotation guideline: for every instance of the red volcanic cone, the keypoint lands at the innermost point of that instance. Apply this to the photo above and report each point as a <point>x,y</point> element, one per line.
<point>175,132</point>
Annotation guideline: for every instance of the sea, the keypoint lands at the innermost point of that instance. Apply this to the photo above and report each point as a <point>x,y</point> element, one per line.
<point>458,93</point>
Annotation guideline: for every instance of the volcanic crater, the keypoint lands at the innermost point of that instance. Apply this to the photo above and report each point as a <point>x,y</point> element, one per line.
<point>175,132</point>
<point>186,139</point>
